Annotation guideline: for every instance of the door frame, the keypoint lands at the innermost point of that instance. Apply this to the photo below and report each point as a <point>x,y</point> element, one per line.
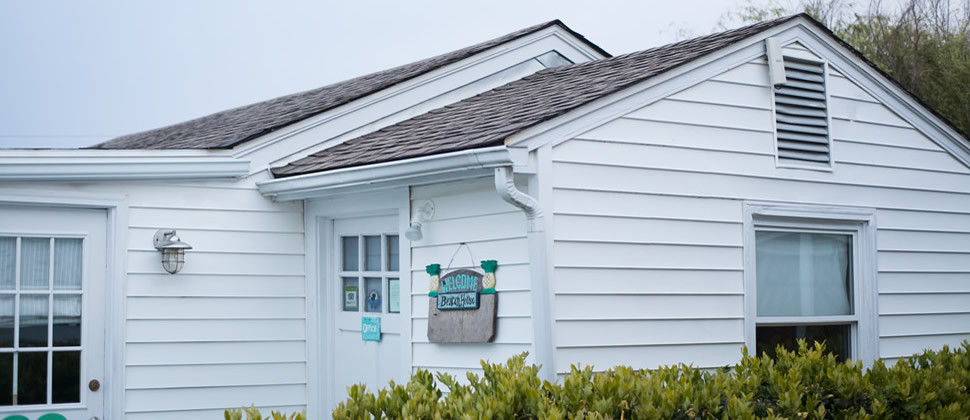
<point>116,207</point>
<point>319,215</point>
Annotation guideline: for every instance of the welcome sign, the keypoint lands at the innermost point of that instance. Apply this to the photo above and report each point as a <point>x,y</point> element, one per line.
<point>462,304</point>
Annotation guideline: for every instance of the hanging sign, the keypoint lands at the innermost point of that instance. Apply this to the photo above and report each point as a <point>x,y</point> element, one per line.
<point>462,304</point>
<point>370,328</point>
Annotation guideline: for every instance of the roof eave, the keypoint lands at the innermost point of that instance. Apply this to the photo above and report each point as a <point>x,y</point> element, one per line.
<point>381,176</point>
<point>103,165</point>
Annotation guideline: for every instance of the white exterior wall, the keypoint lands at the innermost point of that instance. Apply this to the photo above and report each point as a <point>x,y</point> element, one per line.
<point>648,237</point>
<point>472,212</point>
<point>230,328</point>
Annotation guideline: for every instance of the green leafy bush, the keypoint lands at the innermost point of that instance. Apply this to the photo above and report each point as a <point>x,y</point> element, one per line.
<point>252,413</point>
<point>805,384</point>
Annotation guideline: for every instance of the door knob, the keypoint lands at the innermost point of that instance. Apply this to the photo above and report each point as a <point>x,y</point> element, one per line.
<point>94,385</point>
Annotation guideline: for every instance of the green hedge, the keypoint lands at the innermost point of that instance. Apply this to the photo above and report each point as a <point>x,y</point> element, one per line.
<point>806,384</point>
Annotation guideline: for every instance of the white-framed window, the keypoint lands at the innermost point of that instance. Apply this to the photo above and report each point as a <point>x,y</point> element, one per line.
<point>810,274</point>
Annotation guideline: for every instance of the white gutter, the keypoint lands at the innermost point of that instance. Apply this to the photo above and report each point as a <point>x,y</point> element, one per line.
<point>456,165</point>
<point>95,165</point>
<point>541,317</point>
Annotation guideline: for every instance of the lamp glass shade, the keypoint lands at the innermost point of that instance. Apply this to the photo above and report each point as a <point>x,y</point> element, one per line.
<point>414,232</point>
<point>173,260</point>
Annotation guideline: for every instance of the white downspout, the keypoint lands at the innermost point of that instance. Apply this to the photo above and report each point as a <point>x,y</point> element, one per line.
<point>542,327</point>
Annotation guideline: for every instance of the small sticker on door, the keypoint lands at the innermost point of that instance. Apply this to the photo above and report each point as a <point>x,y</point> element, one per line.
<point>370,328</point>
<point>350,298</point>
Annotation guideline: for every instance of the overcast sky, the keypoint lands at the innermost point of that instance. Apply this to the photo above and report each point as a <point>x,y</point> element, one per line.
<point>76,73</point>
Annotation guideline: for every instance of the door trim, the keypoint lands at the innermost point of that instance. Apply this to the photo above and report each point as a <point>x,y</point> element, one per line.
<point>319,215</point>
<point>115,311</point>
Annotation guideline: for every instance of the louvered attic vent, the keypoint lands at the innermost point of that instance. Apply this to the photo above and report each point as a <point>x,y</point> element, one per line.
<point>801,114</point>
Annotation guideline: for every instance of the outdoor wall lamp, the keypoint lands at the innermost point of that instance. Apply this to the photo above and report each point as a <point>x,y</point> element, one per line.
<point>173,250</point>
<point>422,213</point>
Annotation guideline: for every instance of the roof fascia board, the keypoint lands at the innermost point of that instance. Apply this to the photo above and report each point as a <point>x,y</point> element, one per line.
<point>95,165</point>
<point>449,166</point>
<point>886,91</point>
<point>580,51</point>
<point>613,106</point>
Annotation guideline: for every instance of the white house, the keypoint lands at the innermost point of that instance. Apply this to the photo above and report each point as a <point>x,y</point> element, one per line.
<point>670,205</point>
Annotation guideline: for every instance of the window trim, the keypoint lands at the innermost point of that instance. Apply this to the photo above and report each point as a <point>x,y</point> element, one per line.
<point>826,70</point>
<point>861,224</point>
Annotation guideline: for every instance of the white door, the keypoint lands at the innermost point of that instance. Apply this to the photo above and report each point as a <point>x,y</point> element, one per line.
<point>52,269</point>
<point>366,283</point>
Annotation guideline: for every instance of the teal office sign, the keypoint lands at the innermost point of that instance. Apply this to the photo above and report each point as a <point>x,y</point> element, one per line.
<point>459,290</point>
<point>370,328</point>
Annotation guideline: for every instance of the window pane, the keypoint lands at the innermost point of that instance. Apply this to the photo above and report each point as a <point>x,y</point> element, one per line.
<point>393,253</point>
<point>6,378</point>
<point>374,293</point>
<point>351,295</point>
<point>35,258</point>
<point>67,320</point>
<point>32,378</point>
<point>8,262</point>
<point>67,264</point>
<point>66,378</point>
<point>6,320</point>
<point>803,273</point>
<point>351,253</point>
<point>33,320</point>
<point>835,337</point>
<point>393,296</point>
<point>372,253</point>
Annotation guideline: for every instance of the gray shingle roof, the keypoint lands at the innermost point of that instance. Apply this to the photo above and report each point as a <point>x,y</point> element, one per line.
<point>229,128</point>
<point>488,118</point>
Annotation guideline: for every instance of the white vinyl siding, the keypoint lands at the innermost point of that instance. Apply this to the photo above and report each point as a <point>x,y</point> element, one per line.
<point>230,328</point>
<point>648,242</point>
<point>472,212</point>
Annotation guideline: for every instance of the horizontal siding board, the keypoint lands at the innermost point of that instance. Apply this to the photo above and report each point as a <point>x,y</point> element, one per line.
<point>225,241</point>
<point>748,73</point>
<point>864,111</point>
<point>291,222</point>
<point>223,196</point>
<point>924,221</point>
<point>193,330</point>
<point>626,307</point>
<point>201,285</point>
<point>462,199</point>
<point>465,355</point>
<point>687,183</point>
<point>623,229</point>
<point>924,304</point>
<point>901,240</point>
<point>924,282</point>
<point>897,157</point>
<point>162,354</point>
<point>661,133</point>
<point>706,115</point>
<point>724,93</point>
<point>215,308</point>
<point>514,250</point>
<point>647,332</point>
<point>646,205</point>
<point>516,304</point>
<point>924,261</point>
<point>137,400</point>
<point>646,281</point>
<point>607,255</point>
<point>499,226</point>
<point>507,331</point>
<point>920,324</point>
<point>192,376</point>
<point>892,347</point>
<point>217,263</point>
<point>650,357</point>
<point>846,89</point>
<point>859,131</point>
